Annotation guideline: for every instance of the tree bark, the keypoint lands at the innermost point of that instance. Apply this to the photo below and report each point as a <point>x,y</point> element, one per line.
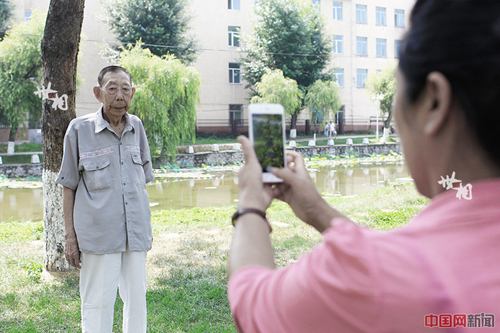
<point>387,122</point>
<point>60,47</point>
<point>13,132</point>
<point>293,122</point>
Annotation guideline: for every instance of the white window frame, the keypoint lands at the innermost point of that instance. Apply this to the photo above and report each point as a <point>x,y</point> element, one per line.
<point>233,36</point>
<point>235,109</point>
<point>380,16</point>
<point>361,14</point>
<point>339,114</point>
<point>381,47</point>
<point>397,46</point>
<point>337,11</point>
<point>399,18</point>
<point>234,73</point>
<point>361,77</point>
<point>338,74</point>
<point>362,46</point>
<point>233,4</point>
<point>27,15</point>
<point>338,44</point>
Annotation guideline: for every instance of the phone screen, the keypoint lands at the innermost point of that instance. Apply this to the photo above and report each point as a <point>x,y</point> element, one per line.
<point>268,139</point>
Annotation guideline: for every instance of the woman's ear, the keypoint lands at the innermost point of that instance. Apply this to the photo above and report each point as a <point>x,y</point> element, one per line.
<point>438,95</point>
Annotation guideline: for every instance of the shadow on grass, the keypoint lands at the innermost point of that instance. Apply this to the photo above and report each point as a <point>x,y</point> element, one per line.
<point>190,292</point>
<point>187,293</point>
<point>50,308</point>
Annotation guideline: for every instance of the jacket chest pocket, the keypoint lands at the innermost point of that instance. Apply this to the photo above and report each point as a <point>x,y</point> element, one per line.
<point>140,177</point>
<point>96,173</point>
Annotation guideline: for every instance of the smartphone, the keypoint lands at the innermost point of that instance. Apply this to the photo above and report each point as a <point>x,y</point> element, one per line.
<point>267,133</point>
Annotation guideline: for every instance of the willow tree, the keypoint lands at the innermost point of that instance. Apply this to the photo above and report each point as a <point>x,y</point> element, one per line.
<point>20,67</point>
<point>382,88</point>
<point>322,98</point>
<point>167,93</point>
<point>60,45</point>
<point>274,87</point>
<point>6,11</point>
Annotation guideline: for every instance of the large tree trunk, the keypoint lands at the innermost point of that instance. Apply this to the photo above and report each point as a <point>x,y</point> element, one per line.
<point>293,123</point>
<point>13,132</point>
<point>387,122</point>
<point>60,45</point>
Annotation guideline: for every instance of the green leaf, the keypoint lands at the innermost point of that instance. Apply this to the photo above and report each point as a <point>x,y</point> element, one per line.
<point>167,93</point>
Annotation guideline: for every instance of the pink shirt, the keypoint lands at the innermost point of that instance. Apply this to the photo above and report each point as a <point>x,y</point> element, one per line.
<point>445,261</point>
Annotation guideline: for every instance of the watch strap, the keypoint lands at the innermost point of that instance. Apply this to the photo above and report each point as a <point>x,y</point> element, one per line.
<point>240,212</point>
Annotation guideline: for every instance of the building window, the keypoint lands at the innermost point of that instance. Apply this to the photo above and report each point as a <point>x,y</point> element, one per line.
<point>337,11</point>
<point>361,14</point>
<point>380,16</point>
<point>338,44</point>
<point>234,73</point>
<point>236,114</point>
<point>338,74</point>
<point>381,47</point>
<point>316,3</point>
<point>233,36</point>
<point>399,18</point>
<point>361,76</point>
<point>233,4</point>
<point>27,15</point>
<point>397,47</point>
<point>361,46</point>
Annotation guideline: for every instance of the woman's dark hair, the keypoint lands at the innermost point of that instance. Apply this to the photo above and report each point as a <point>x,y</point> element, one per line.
<point>460,39</point>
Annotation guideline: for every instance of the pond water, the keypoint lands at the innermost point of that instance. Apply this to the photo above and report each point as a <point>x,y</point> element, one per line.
<point>220,189</point>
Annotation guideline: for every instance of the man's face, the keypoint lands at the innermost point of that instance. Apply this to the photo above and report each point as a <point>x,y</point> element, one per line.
<point>115,94</point>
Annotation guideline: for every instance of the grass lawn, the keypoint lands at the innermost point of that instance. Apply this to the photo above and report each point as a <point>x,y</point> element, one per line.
<point>23,148</point>
<point>186,267</point>
<point>19,159</point>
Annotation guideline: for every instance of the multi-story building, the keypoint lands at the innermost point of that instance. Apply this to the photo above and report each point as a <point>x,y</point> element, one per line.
<point>366,34</point>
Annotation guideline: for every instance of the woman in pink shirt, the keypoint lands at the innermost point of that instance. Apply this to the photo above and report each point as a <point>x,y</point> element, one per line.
<point>442,270</point>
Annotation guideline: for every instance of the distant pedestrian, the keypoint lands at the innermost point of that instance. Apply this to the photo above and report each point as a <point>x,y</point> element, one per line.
<point>332,129</point>
<point>326,129</point>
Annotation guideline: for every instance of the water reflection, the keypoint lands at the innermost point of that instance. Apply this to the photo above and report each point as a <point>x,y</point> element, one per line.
<point>221,190</point>
<point>21,204</point>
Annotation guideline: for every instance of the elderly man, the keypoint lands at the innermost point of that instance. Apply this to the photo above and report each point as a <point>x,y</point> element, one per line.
<point>105,168</point>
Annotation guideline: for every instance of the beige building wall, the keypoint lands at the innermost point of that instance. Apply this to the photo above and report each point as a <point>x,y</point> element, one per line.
<point>358,106</point>
<point>211,20</point>
<point>211,23</point>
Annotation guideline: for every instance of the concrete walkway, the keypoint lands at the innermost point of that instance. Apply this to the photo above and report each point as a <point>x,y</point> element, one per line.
<point>339,137</point>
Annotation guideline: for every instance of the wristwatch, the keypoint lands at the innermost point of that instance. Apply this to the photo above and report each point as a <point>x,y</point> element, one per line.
<point>240,212</point>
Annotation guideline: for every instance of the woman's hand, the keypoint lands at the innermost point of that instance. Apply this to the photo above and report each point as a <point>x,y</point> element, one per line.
<point>252,192</point>
<point>300,193</point>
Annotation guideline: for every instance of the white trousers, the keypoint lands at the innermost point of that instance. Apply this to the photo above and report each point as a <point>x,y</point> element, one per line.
<point>100,276</point>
